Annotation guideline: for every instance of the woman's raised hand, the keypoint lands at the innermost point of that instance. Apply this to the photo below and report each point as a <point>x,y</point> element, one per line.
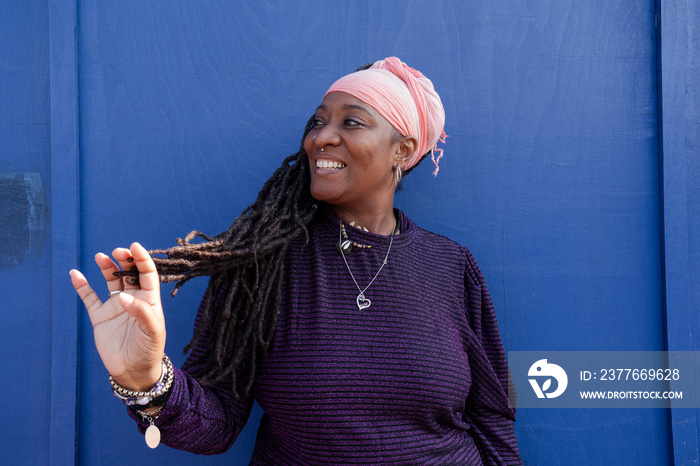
<point>129,326</point>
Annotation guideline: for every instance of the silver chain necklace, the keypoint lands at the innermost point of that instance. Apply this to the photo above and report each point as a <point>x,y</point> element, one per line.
<point>362,301</point>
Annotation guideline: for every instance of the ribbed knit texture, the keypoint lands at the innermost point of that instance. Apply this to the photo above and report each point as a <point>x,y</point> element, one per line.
<point>420,377</point>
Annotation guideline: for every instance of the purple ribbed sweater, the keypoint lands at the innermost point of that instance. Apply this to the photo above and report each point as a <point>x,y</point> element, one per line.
<point>420,377</point>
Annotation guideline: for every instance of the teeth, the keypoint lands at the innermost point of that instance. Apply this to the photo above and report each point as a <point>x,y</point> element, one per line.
<point>329,164</point>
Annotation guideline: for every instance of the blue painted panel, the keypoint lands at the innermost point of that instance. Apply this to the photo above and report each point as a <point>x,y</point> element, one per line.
<point>550,174</point>
<point>65,236</point>
<point>25,229</point>
<point>680,67</point>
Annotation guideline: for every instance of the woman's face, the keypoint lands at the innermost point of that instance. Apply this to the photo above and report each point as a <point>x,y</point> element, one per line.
<point>355,169</point>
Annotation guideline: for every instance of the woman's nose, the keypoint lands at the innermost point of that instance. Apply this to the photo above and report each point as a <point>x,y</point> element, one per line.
<point>325,136</point>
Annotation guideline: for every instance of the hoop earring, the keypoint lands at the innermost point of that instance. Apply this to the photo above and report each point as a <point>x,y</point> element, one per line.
<point>397,175</point>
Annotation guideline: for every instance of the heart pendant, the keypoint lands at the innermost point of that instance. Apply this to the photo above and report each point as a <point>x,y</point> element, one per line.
<point>362,302</point>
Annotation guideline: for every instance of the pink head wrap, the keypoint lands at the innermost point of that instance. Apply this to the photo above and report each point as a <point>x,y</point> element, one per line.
<point>405,98</point>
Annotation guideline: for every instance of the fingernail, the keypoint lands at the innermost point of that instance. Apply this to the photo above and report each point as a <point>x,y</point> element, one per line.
<point>126,298</point>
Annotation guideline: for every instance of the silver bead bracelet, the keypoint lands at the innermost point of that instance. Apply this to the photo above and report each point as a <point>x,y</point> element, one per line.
<point>136,398</point>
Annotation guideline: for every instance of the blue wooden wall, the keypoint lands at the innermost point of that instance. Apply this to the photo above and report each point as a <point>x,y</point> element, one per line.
<point>25,234</point>
<point>571,172</point>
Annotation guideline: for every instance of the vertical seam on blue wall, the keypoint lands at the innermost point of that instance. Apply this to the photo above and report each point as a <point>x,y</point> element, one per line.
<point>63,97</point>
<point>662,222</point>
<point>660,143</point>
<point>673,62</point>
<point>78,224</point>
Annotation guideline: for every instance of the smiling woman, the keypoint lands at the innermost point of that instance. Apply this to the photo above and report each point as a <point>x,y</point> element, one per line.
<point>365,338</point>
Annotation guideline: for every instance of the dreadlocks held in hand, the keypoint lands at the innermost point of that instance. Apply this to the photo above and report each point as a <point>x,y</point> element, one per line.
<point>245,265</point>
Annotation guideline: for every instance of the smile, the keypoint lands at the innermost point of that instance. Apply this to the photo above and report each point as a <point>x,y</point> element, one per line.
<point>329,164</point>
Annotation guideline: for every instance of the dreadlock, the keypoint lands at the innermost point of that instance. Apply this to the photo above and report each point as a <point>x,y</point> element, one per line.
<point>245,265</point>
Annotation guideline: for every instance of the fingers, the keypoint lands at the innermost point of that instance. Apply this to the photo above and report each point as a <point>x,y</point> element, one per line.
<point>148,275</point>
<point>126,262</point>
<point>108,267</point>
<point>136,258</point>
<point>86,293</point>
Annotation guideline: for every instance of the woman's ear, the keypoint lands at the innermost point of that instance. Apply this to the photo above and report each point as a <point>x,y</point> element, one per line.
<point>406,148</point>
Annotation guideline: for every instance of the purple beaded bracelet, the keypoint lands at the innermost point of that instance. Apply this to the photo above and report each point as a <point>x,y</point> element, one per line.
<point>140,399</point>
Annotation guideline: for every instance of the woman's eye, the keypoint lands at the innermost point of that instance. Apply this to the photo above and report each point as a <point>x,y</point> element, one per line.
<point>316,123</point>
<point>349,122</point>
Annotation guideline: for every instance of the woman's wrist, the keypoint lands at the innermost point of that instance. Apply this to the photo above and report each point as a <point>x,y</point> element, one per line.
<point>150,398</point>
<point>140,382</point>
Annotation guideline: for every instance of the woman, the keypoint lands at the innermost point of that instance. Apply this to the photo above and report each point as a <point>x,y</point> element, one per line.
<point>365,338</point>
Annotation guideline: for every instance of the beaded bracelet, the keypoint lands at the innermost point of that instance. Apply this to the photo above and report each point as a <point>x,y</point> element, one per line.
<point>157,401</point>
<point>140,399</point>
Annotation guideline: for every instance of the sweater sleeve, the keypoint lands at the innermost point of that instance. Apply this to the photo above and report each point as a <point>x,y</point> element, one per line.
<point>488,411</point>
<point>198,419</point>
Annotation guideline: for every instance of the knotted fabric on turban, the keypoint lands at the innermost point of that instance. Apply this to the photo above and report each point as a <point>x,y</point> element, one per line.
<point>405,98</point>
